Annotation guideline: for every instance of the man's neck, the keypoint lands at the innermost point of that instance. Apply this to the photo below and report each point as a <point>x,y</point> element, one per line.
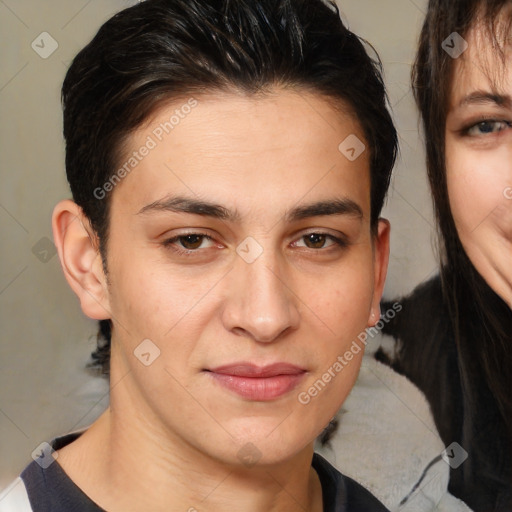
<point>122,467</point>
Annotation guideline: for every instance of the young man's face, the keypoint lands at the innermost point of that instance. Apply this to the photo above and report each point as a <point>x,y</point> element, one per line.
<point>264,290</point>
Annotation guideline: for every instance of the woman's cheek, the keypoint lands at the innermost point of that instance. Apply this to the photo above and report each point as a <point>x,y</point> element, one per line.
<point>470,188</point>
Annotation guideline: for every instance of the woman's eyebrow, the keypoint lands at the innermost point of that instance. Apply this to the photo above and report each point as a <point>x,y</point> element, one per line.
<point>181,204</point>
<point>484,97</point>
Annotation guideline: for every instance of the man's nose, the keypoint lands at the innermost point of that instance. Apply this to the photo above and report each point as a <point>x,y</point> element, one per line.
<point>261,302</point>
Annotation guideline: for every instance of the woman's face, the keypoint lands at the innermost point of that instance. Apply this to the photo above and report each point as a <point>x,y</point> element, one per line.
<point>479,158</point>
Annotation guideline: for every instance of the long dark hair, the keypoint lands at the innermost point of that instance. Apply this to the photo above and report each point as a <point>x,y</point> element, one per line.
<point>482,321</point>
<point>160,50</point>
<point>454,333</point>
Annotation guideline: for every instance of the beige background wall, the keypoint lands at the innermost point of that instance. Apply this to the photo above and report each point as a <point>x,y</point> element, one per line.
<point>45,338</point>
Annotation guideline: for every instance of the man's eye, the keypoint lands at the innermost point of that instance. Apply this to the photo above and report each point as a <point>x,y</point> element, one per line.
<point>487,127</point>
<point>190,243</point>
<point>317,240</point>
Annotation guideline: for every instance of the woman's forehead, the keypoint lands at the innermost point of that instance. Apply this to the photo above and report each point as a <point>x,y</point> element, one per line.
<point>484,67</point>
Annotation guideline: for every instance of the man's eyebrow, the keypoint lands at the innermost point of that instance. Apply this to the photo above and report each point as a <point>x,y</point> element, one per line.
<point>484,97</point>
<point>180,204</point>
<point>343,206</point>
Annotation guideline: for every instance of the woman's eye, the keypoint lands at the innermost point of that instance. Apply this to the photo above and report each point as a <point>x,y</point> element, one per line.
<point>487,127</point>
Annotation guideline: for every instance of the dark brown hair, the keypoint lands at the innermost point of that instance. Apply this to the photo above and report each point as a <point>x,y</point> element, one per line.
<point>160,50</point>
<point>482,321</point>
<point>479,320</point>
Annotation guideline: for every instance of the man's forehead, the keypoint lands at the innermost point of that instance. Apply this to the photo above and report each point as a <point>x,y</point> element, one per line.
<point>218,126</point>
<point>221,107</point>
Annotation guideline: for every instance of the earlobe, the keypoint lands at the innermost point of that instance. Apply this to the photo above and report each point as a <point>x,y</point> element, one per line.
<point>80,259</point>
<point>381,260</point>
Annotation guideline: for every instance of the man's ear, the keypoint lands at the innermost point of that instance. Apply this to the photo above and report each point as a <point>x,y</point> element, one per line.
<point>381,260</point>
<point>79,254</point>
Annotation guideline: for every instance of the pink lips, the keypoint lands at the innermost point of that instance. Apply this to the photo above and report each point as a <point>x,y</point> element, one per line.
<point>259,383</point>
